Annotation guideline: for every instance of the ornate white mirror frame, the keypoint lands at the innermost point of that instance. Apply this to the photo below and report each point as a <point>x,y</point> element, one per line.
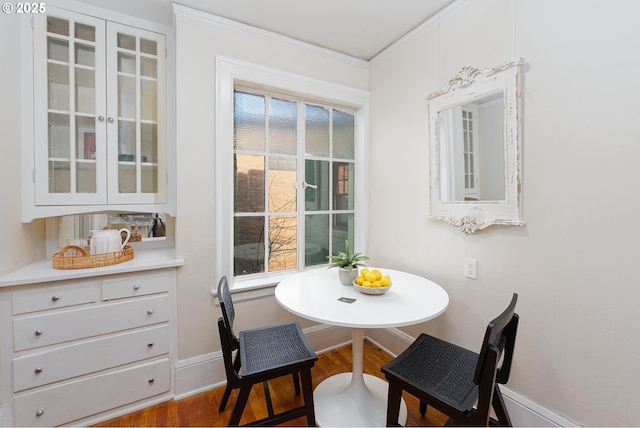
<point>453,198</point>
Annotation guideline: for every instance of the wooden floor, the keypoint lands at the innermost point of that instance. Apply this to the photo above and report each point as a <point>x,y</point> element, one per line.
<point>202,409</point>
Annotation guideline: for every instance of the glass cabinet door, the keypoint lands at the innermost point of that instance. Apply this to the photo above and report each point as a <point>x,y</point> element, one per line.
<point>72,60</point>
<point>136,158</point>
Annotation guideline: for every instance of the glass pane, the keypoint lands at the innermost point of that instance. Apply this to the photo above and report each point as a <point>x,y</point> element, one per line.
<point>126,141</point>
<point>59,177</point>
<point>59,136</point>
<point>57,26</point>
<point>149,140</point>
<point>316,131</point>
<point>249,189</point>
<point>316,233</point>
<point>342,229</point>
<point>148,46</point>
<point>127,97</point>
<point>249,122</point>
<point>85,32</point>
<point>58,86</point>
<point>282,184</point>
<point>85,91</point>
<point>248,245</point>
<point>148,100</point>
<point>343,182</point>
<point>126,42</point>
<point>126,63</point>
<point>148,67</point>
<point>85,55</point>
<point>282,243</point>
<point>343,135</point>
<point>149,179</point>
<point>57,50</point>
<point>283,132</point>
<point>316,174</point>
<point>85,137</point>
<point>86,177</point>
<point>127,177</point>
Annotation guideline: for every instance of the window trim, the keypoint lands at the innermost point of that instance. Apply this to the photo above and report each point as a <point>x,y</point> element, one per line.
<point>231,72</point>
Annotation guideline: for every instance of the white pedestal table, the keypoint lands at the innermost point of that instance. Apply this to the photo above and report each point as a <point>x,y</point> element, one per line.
<point>357,399</point>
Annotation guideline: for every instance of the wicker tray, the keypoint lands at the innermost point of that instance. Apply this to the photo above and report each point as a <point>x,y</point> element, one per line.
<point>75,257</point>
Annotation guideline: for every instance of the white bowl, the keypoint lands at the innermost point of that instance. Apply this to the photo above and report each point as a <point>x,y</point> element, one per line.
<point>372,290</point>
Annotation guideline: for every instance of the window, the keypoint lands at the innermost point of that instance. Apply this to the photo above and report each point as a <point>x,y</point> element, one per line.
<point>278,140</point>
<point>290,172</point>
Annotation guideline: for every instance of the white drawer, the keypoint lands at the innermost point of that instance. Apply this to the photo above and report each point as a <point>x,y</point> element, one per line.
<point>90,356</point>
<point>135,285</point>
<point>62,326</point>
<point>53,295</point>
<point>82,398</point>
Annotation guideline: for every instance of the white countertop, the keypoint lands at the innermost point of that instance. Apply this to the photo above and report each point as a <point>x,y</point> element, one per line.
<point>42,271</point>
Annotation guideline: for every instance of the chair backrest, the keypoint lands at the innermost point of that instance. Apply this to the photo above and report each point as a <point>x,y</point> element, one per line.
<point>501,336</point>
<point>226,304</point>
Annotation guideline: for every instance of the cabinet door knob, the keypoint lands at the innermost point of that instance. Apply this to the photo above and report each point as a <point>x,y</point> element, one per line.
<point>38,332</point>
<point>150,345</point>
<point>101,118</point>
<point>151,380</point>
<point>110,119</point>
<point>55,298</point>
<point>149,311</point>
<point>136,287</point>
<point>38,370</point>
<point>39,412</point>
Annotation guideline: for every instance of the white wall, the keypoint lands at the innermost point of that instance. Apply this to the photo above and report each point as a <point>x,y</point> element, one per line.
<point>573,265</point>
<point>199,39</point>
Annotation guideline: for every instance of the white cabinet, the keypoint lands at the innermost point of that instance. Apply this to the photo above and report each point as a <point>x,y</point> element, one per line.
<point>76,351</point>
<point>100,117</point>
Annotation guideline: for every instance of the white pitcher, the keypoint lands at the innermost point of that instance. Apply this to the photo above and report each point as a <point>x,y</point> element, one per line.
<point>108,240</point>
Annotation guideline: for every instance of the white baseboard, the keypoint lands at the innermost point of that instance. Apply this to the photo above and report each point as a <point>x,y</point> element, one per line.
<point>205,372</point>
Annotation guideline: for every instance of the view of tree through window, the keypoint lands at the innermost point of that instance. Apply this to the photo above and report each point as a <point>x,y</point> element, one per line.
<point>285,150</point>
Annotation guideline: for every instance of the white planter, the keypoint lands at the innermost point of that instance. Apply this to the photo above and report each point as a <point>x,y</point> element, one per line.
<point>347,276</point>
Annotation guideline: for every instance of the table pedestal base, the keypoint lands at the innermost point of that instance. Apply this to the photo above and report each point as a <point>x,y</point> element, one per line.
<point>349,400</point>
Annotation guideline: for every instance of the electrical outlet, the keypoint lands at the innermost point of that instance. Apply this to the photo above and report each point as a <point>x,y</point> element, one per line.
<point>470,268</point>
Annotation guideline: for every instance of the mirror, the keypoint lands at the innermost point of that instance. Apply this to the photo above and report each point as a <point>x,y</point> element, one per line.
<point>474,129</point>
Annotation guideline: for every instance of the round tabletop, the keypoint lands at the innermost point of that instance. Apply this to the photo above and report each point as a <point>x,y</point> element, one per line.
<point>319,295</point>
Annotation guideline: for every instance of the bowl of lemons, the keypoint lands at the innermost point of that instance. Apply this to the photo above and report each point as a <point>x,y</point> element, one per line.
<point>372,281</point>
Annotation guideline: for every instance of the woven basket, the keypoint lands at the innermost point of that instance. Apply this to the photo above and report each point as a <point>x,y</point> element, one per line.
<point>74,257</point>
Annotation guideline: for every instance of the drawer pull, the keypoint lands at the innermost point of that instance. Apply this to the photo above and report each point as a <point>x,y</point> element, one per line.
<point>149,311</point>
<point>55,298</point>
<point>150,345</point>
<point>136,287</point>
<point>39,412</point>
<point>38,370</point>
<point>38,333</point>
<point>151,380</point>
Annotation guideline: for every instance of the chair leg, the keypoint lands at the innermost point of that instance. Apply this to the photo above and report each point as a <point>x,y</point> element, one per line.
<point>225,398</point>
<point>267,396</point>
<point>393,404</point>
<point>238,408</point>
<point>423,408</point>
<point>296,382</point>
<point>307,395</point>
<point>500,409</point>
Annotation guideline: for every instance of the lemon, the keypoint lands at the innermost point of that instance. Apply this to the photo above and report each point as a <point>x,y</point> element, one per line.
<point>359,280</point>
<point>366,284</point>
<point>377,273</point>
<point>385,280</point>
<point>376,284</point>
<point>364,271</point>
<point>370,277</point>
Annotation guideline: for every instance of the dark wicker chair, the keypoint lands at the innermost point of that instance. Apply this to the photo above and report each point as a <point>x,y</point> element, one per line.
<point>452,379</point>
<point>264,353</point>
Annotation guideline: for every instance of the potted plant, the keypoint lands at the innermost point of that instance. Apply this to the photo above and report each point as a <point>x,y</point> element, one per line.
<point>347,262</point>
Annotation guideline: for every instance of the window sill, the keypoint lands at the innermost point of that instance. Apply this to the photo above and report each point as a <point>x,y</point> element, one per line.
<point>256,288</point>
